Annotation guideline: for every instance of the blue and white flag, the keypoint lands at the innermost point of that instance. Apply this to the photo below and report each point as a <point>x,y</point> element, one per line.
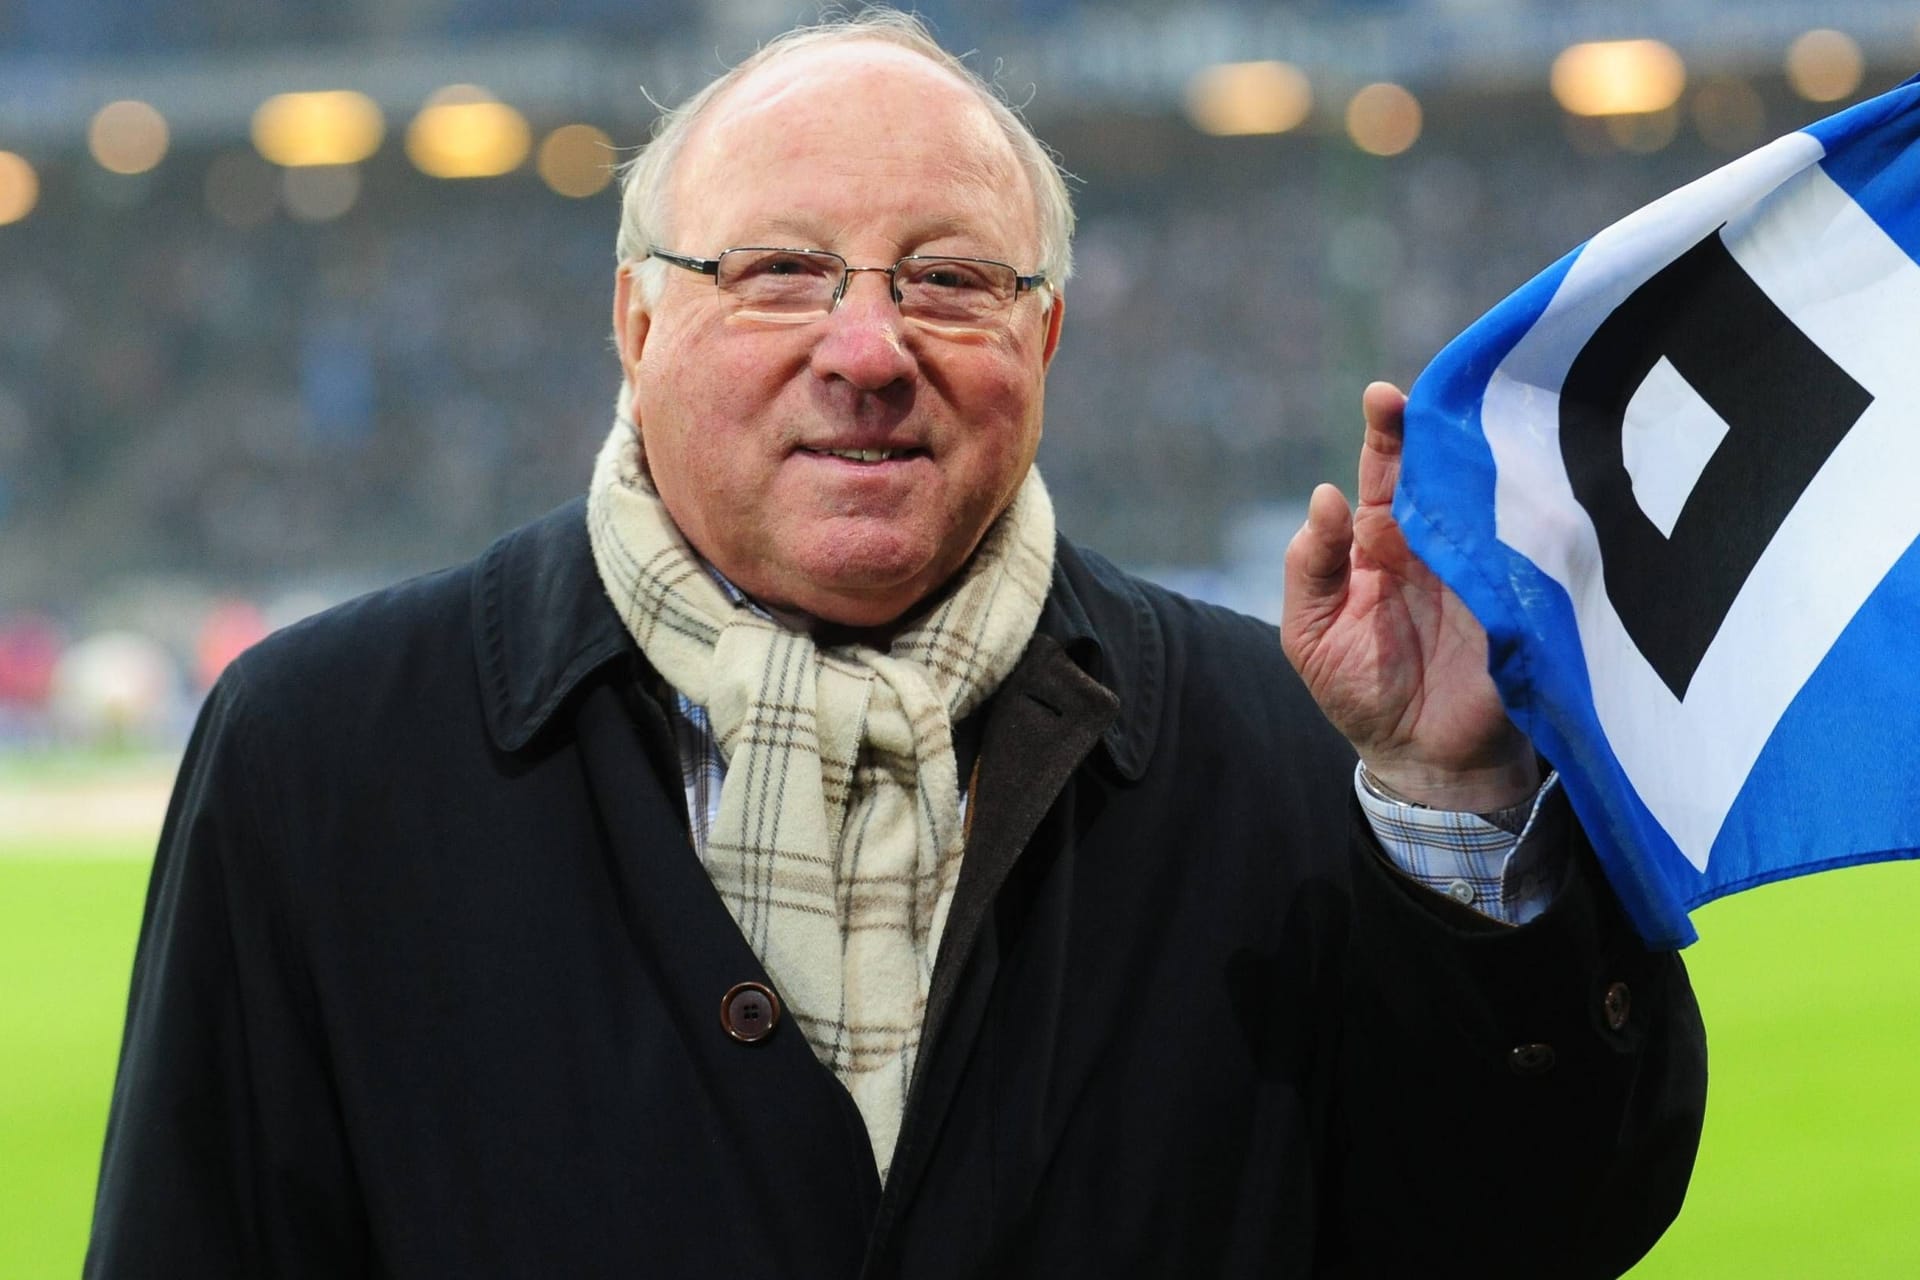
<point>1677,477</point>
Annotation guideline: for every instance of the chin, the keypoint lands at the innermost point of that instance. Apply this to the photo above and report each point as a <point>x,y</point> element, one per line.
<point>857,603</point>
<point>863,594</point>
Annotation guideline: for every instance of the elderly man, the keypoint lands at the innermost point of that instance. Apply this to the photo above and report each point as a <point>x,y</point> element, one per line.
<point>801,862</point>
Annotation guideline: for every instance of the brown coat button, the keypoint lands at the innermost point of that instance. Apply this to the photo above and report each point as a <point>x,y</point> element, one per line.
<point>1531,1059</point>
<point>749,1012</point>
<point>1617,1004</point>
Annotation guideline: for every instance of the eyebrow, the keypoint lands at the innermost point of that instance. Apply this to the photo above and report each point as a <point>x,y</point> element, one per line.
<point>804,234</point>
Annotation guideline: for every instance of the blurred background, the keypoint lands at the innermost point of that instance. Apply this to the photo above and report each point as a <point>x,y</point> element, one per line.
<point>300,297</point>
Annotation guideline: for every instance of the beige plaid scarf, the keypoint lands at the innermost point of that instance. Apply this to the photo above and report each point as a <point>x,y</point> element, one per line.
<point>839,837</point>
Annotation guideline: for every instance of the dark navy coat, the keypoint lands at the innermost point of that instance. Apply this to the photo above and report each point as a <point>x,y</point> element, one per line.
<point>430,985</point>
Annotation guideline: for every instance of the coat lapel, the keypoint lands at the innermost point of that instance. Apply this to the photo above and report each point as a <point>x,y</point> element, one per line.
<point>1044,721</point>
<point>780,1115</point>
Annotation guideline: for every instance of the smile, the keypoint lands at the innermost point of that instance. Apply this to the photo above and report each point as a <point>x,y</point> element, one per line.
<point>865,455</point>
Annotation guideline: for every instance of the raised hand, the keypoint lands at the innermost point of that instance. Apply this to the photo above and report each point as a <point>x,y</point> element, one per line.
<point>1392,656</point>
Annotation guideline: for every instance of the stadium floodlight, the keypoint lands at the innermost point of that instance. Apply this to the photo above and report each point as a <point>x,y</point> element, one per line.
<point>127,137</point>
<point>1825,65</point>
<point>465,132</point>
<point>1383,119</point>
<point>1618,77</point>
<point>576,160</point>
<point>334,126</point>
<point>1239,98</point>
<point>19,188</point>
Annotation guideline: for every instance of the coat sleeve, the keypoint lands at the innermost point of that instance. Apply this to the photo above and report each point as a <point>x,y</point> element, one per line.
<point>224,1154</point>
<point>1515,1101</point>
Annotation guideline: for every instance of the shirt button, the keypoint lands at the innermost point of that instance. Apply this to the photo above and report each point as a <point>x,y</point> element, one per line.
<point>1460,891</point>
<point>1531,1059</point>
<point>1617,1005</point>
<point>749,1012</point>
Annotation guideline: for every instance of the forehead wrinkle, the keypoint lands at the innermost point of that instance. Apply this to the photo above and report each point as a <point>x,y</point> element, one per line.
<point>931,205</point>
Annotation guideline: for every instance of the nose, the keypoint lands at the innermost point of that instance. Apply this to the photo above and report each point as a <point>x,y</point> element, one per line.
<point>861,340</point>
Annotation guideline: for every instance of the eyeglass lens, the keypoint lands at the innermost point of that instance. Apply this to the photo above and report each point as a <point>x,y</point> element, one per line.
<point>792,284</point>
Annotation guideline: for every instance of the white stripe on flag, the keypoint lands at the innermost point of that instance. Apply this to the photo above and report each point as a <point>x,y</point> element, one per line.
<point>1830,268</point>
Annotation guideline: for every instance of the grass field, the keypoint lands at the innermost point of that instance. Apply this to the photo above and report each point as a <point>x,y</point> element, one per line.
<point>1810,1168</point>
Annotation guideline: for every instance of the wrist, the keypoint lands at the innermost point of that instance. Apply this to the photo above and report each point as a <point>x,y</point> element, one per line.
<point>1483,790</point>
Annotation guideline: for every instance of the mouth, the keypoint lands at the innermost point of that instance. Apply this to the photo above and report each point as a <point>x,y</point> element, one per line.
<point>866,455</point>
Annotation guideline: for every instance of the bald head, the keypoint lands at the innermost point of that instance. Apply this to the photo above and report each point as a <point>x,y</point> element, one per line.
<point>649,181</point>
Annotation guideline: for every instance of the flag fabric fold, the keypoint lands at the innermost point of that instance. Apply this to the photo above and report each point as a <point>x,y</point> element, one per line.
<point>1677,478</point>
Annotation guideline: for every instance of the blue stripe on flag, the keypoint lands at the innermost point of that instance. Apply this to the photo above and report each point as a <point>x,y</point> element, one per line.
<point>1872,154</point>
<point>1839,773</point>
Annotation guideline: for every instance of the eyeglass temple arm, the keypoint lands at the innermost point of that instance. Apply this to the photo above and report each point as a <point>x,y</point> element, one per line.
<point>711,267</point>
<point>705,266</point>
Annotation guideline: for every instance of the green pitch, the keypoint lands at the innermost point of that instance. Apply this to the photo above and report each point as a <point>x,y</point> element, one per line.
<point>68,919</point>
<point>1811,1164</point>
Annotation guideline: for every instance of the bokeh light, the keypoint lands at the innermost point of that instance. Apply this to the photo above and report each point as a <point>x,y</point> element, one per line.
<point>127,137</point>
<point>1383,119</point>
<point>1729,115</point>
<point>242,190</point>
<point>19,188</point>
<point>113,687</point>
<point>1825,65</point>
<point>576,160</point>
<point>320,193</point>
<point>332,127</point>
<point>1238,98</point>
<point>1618,77</point>
<point>1644,132</point>
<point>465,132</point>
<point>230,628</point>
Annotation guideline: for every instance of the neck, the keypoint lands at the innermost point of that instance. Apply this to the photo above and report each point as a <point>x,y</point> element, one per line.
<point>825,632</point>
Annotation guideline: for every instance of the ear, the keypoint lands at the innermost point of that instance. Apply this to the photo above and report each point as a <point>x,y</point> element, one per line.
<point>1055,314</point>
<point>631,319</point>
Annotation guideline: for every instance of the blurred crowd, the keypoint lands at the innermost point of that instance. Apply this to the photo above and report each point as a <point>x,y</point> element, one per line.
<point>90,28</point>
<point>211,423</point>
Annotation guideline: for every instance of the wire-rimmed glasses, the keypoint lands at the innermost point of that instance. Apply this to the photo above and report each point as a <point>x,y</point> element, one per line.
<point>794,286</point>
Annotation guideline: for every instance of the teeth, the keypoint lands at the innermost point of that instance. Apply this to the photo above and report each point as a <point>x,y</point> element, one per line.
<point>860,455</point>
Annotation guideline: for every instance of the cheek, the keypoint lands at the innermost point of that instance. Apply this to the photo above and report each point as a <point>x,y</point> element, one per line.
<point>1010,442</point>
<point>671,435</point>
<point>698,464</point>
<point>691,406</point>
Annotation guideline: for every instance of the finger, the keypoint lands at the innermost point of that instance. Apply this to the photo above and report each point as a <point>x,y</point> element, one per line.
<point>1317,565</point>
<point>1383,406</point>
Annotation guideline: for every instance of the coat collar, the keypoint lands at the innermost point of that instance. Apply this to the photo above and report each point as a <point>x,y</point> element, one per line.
<point>543,624</point>
<point>1102,618</point>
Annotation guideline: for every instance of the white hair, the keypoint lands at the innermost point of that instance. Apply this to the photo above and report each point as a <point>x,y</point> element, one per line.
<point>645,180</point>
